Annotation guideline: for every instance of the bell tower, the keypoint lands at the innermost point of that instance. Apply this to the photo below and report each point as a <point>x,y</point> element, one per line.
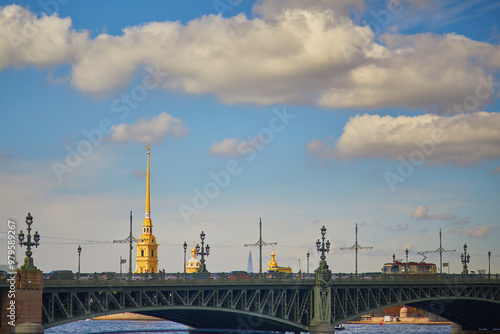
<point>147,248</point>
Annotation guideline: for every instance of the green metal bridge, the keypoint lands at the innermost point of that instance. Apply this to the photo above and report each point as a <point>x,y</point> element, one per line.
<point>285,304</point>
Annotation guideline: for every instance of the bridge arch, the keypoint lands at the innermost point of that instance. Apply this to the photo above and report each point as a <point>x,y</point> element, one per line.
<point>467,312</point>
<point>203,317</point>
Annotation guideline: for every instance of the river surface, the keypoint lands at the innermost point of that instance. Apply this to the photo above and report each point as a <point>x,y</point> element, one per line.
<point>116,326</point>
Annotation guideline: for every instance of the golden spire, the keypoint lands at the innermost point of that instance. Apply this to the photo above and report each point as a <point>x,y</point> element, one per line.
<point>147,217</point>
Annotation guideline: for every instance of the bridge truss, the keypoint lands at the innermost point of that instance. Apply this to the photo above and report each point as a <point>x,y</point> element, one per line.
<point>466,303</point>
<point>284,305</point>
<point>201,306</point>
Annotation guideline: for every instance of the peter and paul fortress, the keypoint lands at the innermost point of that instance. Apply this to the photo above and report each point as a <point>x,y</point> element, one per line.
<point>147,248</point>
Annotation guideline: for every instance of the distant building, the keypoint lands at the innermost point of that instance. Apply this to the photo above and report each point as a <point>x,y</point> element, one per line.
<point>272,267</point>
<point>250,265</point>
<point>193,264</point>
<point>147,247</point>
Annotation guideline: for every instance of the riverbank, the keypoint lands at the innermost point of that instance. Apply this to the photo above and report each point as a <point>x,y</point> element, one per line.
<point>407,320</point>
<point>374,320</point>
<point>128,316</point>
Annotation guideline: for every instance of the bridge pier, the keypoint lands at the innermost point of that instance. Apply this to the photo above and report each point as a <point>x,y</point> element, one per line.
<point>27,298</point>
<point>322,328</point>
<point>322,320</point>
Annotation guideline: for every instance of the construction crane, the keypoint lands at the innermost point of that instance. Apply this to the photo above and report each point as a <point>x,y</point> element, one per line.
<point>130,240</point>
<point>356,247</point>
<point>440,250</point>
<point>260,243</point>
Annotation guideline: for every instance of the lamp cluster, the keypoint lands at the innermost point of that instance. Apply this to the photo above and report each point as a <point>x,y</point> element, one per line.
<point>28,261</point>
<point>321,246</point>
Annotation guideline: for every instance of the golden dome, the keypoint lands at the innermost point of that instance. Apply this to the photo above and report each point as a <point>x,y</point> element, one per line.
<point>272,267</point>
<point>193,263</point>
<point>272,264</point>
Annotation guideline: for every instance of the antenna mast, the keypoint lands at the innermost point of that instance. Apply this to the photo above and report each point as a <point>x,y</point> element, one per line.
<point>440,250</point>
<point>260,243</point>
<point>356,247</point>
<point>130,239</point>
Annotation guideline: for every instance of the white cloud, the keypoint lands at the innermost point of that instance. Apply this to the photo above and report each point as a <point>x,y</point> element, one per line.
<point>296,52</point>
<point>227,147</point>
<point>149,131</point>
<point>479,231</point>
<point>231,147</point>
<point>422,212</point>
<point>41,42</point>
<point>461,140</point>
<point>496,170</point>
<point>270,9</point>
<point>321,149</point>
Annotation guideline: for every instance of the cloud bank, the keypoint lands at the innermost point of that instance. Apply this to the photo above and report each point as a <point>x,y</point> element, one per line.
<point>296,52</point>
<point>478,231</point>
<point>460,140</point>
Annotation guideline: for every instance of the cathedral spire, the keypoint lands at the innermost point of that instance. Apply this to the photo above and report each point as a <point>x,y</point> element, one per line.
<point>147,217</point>
<point>147,247</point>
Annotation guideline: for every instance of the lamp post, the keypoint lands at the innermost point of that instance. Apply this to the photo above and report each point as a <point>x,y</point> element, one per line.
<point>185,245</point>
<point>28,260</point>
<point>489,267</point>
<point>406,268</point>
<point>323,274</point>
<point>465,259</point>
<point>321,246</point>
<point>80,253</point>
<point>203,251</point>
<point>308,255</point>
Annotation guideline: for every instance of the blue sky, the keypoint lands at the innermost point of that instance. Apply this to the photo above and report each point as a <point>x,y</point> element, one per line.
<point>302,113</point>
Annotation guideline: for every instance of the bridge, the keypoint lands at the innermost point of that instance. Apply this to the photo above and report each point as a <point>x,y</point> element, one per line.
<point>277,303</point>
<point>280,302</point>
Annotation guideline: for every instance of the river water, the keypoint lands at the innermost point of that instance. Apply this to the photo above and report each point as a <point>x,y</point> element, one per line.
<point>115,326</point>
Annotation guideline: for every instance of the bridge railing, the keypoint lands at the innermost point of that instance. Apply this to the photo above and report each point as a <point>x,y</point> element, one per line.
<point>108,278</point>
<point>111,278</point>
<point>379,277</point>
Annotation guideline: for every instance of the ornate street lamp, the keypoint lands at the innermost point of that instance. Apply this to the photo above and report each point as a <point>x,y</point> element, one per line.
<point>308,255</point>
<point>185,245</point>
<point>489,267</point>
<point>406,268</point>
<point>465,259</point>
<point>80,253</point>
<point>321,246</point>
<point>323,274</point>
<point>203,251</point>
<point>28,260</point>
